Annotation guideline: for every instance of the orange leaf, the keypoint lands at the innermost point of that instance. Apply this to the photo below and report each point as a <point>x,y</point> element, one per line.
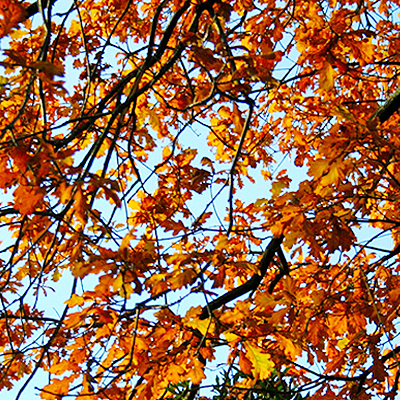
<point>326,77</point>
<point>75,300</point>
<point>244,363</point>
<point>174,373</point>
<point>28,199</point>
<point>80,206</point>
<point>287,345</point>
<point>238,120</point>
<point>182,279</point>
<point>56,389</point>
<point>11,14</point>
<point>197,373</point>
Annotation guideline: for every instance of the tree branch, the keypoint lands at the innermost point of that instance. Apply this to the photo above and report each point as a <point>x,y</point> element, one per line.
<point>33,9</point>
<point>284,270</point>
<point>252,284</point>
<point>389,108</point>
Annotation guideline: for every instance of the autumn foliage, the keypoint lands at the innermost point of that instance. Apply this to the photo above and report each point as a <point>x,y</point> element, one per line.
<point>199,198</point>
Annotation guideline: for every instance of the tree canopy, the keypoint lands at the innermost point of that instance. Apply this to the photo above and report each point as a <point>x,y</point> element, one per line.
<point>192,188</point>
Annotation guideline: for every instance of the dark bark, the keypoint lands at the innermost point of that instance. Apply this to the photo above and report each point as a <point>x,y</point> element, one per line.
<point>389,108</point>
<point>33,9</point>
<point>250,285</point>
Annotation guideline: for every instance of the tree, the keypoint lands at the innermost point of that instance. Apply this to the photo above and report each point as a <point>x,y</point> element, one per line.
<point>202,182</point>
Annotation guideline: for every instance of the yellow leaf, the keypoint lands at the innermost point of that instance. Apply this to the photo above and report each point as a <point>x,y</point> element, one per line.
<point>153,119</point>
<point>232,338</point>
<point>11,15</point>
<point>203,325</point>
<point>262,365</point>
<point>336,363</point>
<point>18,34</point>
<point>126,290</point>
<point>186,157</point>
<point>56,275</point>
<point>193,312</point>
<point>166,152</point>
<point>75,300</point>
<point>74,320</point>
<point>125,243</point>
<point>335,174</point>
<point>80,269</point>
<point>367,51</point>
<point>222,243</point>
<point>342,343</point>
<point>158,283</point>
<point>118,282</point>
<point>202,92</point>
<point>225,112</point>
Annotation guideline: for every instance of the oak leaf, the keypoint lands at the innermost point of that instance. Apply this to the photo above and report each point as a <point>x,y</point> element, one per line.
<point>75,300</point>
<point>245,364</point>
<point>326,77</point>
<point>56,389</point>
<point>262,366</point>
<point>197,372</point>
<point>28,199</point>
<point>291,349</point>
<point>12,13</point>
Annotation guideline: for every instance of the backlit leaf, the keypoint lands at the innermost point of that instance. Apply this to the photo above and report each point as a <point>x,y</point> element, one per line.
<point>262,366</point>
<point>326,77</point>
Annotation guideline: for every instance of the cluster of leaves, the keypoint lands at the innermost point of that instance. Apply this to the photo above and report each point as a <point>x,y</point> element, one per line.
<point>150,150</point>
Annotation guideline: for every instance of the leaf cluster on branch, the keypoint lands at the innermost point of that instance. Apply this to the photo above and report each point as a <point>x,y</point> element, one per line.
<point>199,185</point>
